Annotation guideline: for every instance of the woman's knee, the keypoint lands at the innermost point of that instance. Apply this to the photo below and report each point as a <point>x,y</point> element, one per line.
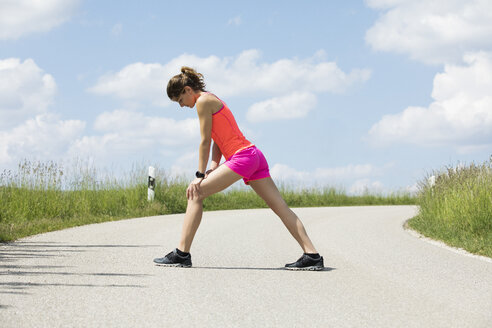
<point>197,199</point>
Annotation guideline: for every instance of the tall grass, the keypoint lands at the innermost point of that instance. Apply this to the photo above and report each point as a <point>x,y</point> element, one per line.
<point>45,196</point>
<point>456,207</point>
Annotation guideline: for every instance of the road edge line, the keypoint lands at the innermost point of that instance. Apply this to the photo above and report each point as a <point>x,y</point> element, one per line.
<point>441,244</point>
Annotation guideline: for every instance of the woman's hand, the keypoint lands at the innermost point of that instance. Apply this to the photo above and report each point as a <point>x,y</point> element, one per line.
<point>193,191</point>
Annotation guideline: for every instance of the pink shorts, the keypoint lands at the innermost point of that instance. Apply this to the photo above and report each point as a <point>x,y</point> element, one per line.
<point>249,163</point>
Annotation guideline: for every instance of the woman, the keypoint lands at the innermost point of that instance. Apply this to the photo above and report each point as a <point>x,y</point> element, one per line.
<point>243,160</point>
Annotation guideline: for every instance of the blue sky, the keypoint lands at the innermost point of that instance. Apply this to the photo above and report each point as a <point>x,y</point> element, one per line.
<point>356,94</point>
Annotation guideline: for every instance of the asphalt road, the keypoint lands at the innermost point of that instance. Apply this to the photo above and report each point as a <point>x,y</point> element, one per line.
<point>377,275</point>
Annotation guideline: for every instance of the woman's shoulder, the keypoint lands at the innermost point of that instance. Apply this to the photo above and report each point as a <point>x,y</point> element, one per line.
<point>209,101</point>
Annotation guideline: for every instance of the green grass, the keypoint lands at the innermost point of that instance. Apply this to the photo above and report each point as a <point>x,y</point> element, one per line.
<point>44,196</point>
<point>457,208</point>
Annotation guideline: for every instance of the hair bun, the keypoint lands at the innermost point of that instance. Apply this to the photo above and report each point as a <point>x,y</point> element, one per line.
<point>188,77</point>
<point>187,70</point>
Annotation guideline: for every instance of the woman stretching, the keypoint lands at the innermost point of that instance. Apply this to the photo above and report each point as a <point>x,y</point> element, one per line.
<point>243,160</point>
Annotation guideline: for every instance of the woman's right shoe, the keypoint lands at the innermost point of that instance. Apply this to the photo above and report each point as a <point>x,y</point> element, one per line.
<point>307,263</point>
<point>173,259</point>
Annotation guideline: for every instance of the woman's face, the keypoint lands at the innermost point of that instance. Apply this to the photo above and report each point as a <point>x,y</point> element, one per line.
<point>186,98</point>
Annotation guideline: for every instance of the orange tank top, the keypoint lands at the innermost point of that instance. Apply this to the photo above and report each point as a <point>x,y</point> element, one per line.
<point>226,133</point>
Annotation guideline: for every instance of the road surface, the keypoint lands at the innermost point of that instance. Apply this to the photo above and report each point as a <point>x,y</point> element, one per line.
<point>377,275</point>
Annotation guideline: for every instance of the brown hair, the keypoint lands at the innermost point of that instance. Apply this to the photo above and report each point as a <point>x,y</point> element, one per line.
<point>188,77</point>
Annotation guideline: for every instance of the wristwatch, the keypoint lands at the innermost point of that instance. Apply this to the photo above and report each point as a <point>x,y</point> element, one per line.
<point>199,174</point>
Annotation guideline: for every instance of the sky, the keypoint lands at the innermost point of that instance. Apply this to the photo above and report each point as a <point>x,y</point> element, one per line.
<point>368,95</point>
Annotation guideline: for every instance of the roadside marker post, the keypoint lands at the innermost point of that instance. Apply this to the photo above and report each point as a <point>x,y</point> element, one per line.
<point>151,189</point>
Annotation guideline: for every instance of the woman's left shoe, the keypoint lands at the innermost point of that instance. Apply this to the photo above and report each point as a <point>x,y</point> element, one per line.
<point>175,260</point>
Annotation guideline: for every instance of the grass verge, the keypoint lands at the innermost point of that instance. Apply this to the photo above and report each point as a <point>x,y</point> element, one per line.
<point>456,208</point>
<point>41,197</point>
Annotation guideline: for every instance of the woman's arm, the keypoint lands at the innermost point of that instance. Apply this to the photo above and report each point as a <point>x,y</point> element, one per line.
<point>216,156</point>
<point>204,110</point>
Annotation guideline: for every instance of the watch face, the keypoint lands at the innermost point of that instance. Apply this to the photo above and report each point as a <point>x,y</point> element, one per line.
<point>198,174</point>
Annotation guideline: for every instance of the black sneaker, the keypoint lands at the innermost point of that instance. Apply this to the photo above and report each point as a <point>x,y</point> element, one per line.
<point>306,262</point>
<point>175,260</point>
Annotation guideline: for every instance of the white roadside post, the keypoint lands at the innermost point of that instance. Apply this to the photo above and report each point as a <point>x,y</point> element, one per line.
<point>151,192</point>
<point>432,181</point>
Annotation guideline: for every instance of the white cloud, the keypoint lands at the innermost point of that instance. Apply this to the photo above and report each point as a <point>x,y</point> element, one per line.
<point>296,105</point>
<point>412,189</point>
<point>359,178</point>
<point>126,136</point>
<point>24,91</point>
<point>384,4</point>
<point>230,76</point>
<point>363,186</point>
<point>471,149</point>
<point>136,82</point>
<point>460,115</point>
<point>43,137</point>
<point>164,131</point>
<point>28,129</point>
<point>23,17</point>
<point>185,165</point>
<point>432,31</point>
<point>350,171</point>
<point>117,29</point>
<point>236,21</point>
<point>132,134</point>
<point>457,34</point>
<point>327,175</point>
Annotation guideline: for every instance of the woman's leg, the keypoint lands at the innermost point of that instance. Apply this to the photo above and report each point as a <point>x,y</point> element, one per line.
<point>216,181</point>
<point>267,190</point>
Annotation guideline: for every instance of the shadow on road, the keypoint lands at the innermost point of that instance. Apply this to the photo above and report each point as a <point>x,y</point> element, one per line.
<point>17,271</point>
<point>64,245</point>
<point>23,285</point>
<point>55,273</point>
<point>10,252</point>
<point>326,269</point>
